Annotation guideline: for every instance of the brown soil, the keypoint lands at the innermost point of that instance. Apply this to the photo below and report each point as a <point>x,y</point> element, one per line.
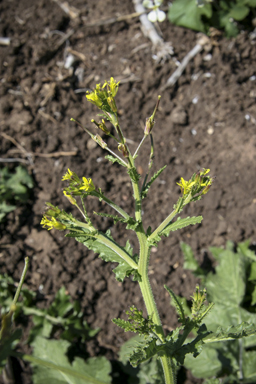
<point>38,98</point>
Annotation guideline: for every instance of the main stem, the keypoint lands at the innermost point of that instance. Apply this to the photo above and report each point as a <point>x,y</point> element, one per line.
<point>145,286</point>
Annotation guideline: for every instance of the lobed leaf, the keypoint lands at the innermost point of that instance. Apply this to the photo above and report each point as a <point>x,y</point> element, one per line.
<point>107,254</point>
<point>181,223</point>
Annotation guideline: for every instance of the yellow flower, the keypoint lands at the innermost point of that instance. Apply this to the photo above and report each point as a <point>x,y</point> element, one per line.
<point>186,186</point>
<point>52,223</point>
<point>87,185</point>
<point>94,97</point>
<point>67,175</point>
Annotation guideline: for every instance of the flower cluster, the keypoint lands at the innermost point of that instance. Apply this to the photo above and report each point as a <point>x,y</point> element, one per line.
<point>198,184</point>
<point>52,223</point>
<point>156,14</point>
<point>77,186</point>
<point>104,96</point>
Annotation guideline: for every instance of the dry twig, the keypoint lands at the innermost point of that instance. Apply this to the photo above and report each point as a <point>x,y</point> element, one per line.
<point>202,42</point>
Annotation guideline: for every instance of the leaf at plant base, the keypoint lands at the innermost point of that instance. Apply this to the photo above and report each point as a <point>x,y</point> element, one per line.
<point>243,249</point>
<point>249,366</point>
<point>7,345</point>
<point>148,185</point>
<point>181,223</point>
<point>238,12</point>
<point>252,276</point>
<point>251,3</point>
<point>93,371</point>
<point>186,13</point>
<point>205,365</point>
<point>253,296</point>
<point>107,254</point>
<point>189,260</point>
<point>147,372</point>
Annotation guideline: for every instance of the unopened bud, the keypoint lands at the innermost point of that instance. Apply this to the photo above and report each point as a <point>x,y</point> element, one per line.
<point>103,127</point>
<point>70,198</point>
<point>149,125</point>
<point>206,189</point>
<point>122,148</point>
<point>112,104</point>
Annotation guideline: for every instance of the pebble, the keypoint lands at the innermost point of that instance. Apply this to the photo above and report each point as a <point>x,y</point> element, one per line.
<point>195,99</point>
<point>210,130</point>
<point>194,132</point>
<point>179,116</point>
<point>91,144</point>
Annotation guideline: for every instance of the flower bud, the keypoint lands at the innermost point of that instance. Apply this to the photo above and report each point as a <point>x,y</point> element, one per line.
<point>70,198</point>
<point>112,104</point>
<point>149,125</point>
<point>123,148</point>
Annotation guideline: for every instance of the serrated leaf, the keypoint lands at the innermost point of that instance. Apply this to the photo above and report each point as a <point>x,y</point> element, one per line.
<point>181,223</point>
<point>177,304</point>
<point>144,192</point>
<point>132,172</point>
<point>186,13</point>
<point>114,160</point>
<point>143,352</point>
<point>52,365</point>
<point>231,333</point>
<point>107,254</point>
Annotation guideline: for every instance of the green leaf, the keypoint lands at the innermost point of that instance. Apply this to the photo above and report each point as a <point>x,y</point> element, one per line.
<point>231,333</point>
<point>254,296</point>
<point>132,172</point>
<point>181,223</point>
<point>243,249</point>
<point>239,12</point>
<point>107,254</point>
<point>52,365</point>
<point>205,365</point>
<point>114,159</point>
<point>144,192</point>
<point>177,304</point>
<point>146,350</point>
<point>186,13</point>
<point>7,345</point>
<point>249,366</point>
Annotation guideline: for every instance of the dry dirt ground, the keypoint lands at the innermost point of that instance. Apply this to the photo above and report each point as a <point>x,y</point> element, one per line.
<point>206,120</point>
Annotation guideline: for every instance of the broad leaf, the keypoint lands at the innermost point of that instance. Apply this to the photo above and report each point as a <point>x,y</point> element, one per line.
<point>186,13</point>
<point>51,365</point>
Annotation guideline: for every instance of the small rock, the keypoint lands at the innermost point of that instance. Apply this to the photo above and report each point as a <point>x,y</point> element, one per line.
<point>179,116</point>
<point>91,144</point>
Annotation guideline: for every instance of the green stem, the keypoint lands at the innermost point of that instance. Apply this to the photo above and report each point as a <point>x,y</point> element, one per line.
<point>21,282</point>
<point>162,225</point>
<point>111,204</point>
<point>145,284</point>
